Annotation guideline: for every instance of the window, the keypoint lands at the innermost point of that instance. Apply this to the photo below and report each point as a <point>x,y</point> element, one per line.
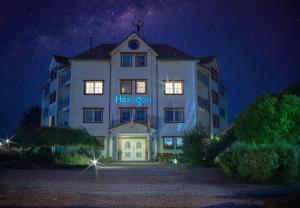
<point>214,75</point>
<point>216,121</point>
<point>125,115</point>
<point>141,59</point>
<point>92,115</point>
<point>126,86</point>
<point>51,121</point>
<point>100,140</point>
<point>215,97</point>
<point>126,59</point>
<point>203,103</point>
<point>52,97</point>
<point>204,79</point>
<point>93,87</point>
<point>222,112</point>
<point>168,142</point>
<point>141,115</point>
<point>174,115</point>
<point>140,86</point>
<point>173,87</point>
<point>179,142</point>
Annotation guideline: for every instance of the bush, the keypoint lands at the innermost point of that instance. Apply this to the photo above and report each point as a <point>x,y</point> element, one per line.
<point>47,137</point>
<point>271,119</point>
<point>37,160</point>
<point>195,145</point>
<point>67,159</point>
<point>261,163</point>
<point>169,158</point>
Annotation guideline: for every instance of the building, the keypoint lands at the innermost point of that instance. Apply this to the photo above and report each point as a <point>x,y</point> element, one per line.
<point>136,98</point>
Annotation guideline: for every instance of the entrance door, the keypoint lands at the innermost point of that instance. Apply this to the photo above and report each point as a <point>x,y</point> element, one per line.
<point>133,149</point>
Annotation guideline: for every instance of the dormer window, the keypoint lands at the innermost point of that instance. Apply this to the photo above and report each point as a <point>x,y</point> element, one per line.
<point>126,59</point>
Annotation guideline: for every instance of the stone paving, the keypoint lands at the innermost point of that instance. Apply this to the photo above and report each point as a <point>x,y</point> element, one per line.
<point>138,185</point>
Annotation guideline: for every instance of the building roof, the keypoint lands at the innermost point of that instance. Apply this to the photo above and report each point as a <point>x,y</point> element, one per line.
<point>207,59</point>
<point>62,59</point>
<point>164,51</point>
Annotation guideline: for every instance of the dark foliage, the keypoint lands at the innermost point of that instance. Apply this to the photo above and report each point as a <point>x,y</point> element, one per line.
<point>32,117</point>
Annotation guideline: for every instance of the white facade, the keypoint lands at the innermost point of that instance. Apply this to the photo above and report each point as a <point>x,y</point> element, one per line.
<point>157,125</point>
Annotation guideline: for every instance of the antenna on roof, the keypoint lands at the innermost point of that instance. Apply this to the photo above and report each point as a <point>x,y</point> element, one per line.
<point>138,26</point>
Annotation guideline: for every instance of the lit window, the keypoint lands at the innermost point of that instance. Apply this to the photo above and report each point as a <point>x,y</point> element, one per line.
<point>141,59</point>
<point>93,87</point>
<point>125,115</point>
<point>179,142</point>
<point>141,87</point>
<point>174,115</point>
<point>126,86</point>
<point>126,59</point>
<point>92,115</point>
<point>173,87</point>
<point>141,115</point>
<point>168,142</point>
<point>100,140</point>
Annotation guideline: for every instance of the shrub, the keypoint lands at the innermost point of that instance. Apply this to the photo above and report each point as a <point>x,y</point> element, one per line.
<point>47,137</point>
<point>37,160</point>
<point>271,119</point>
<point>169,158</point>
<point>261,163</point>
<point>72,159</point>
<point>195,145</point>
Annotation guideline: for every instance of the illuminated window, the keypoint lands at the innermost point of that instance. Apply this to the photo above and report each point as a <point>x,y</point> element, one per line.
<point>92,115</point>
<point>168,142</point>
<point>126,86</point>
<point>140,59</point>
<point>51,121</point>
<point>174,115</point>
<point>179,142</point>
<point>173,87</point>
<point>94,87</point>
<point>141,115</point>
<point>125,115</point>
<point>141,87</point>
<point>126,59</point>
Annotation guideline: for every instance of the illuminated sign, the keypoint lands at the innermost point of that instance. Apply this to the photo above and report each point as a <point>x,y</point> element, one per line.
<point>139,101</point>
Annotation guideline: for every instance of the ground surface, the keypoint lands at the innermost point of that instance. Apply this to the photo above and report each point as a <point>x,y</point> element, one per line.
<point>142,185</point>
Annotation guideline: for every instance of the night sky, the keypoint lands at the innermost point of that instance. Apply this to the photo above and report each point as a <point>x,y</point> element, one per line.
<point>257,43</point>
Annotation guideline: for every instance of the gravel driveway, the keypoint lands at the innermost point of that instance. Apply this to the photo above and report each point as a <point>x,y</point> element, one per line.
<point>138,185</point>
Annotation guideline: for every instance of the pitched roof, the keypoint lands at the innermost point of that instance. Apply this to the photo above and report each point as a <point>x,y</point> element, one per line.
<point>61,59</point>
<point>164,51</point>
<point>207,59</point>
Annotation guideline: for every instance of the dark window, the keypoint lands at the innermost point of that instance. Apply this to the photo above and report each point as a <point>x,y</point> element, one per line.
<point>126,59</point>
<point>214,75</point>
<point>125,115</point>
<point>204,79</point>
<point>92,115</point>
<point>141,115</point>
<point>53,74</point>
<point>216,121</point>
<point>100,140</point>
<point>222,112</point>
<point>52,97</point>
<point>203,103</point>
<point>179,142</point>
<point>133,44</point>
<point>93,87</point>
<point>215,97</point>
<point>126,86</point>
<point>168,142</point>
<point>174,115</point>
<point>141,59</point>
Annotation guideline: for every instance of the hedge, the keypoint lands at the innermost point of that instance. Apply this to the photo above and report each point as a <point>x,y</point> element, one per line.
<point>46,137</point>
<point>262,163</point>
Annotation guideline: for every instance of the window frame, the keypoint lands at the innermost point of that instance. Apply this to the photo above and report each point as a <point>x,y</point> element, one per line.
<point>120,111</point>
<point>173,86</point>
<point>140,80</point>
<point>121,55</point>
<point>126,80</point>
<point>52,97</point>
<point>214,75</point>
<point>214,97</point>
<point>93,109</point>
<point>216,121</point>
<point>84,87</point>
<point>135,115</point>
<point>173,110</point>
<point>98,138</point>
<point>176,143</point>
<point>168,147</point>
<point>136,59</point>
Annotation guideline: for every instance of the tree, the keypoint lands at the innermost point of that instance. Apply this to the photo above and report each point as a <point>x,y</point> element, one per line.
<point>271,119</point>
<point>32,117</point>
